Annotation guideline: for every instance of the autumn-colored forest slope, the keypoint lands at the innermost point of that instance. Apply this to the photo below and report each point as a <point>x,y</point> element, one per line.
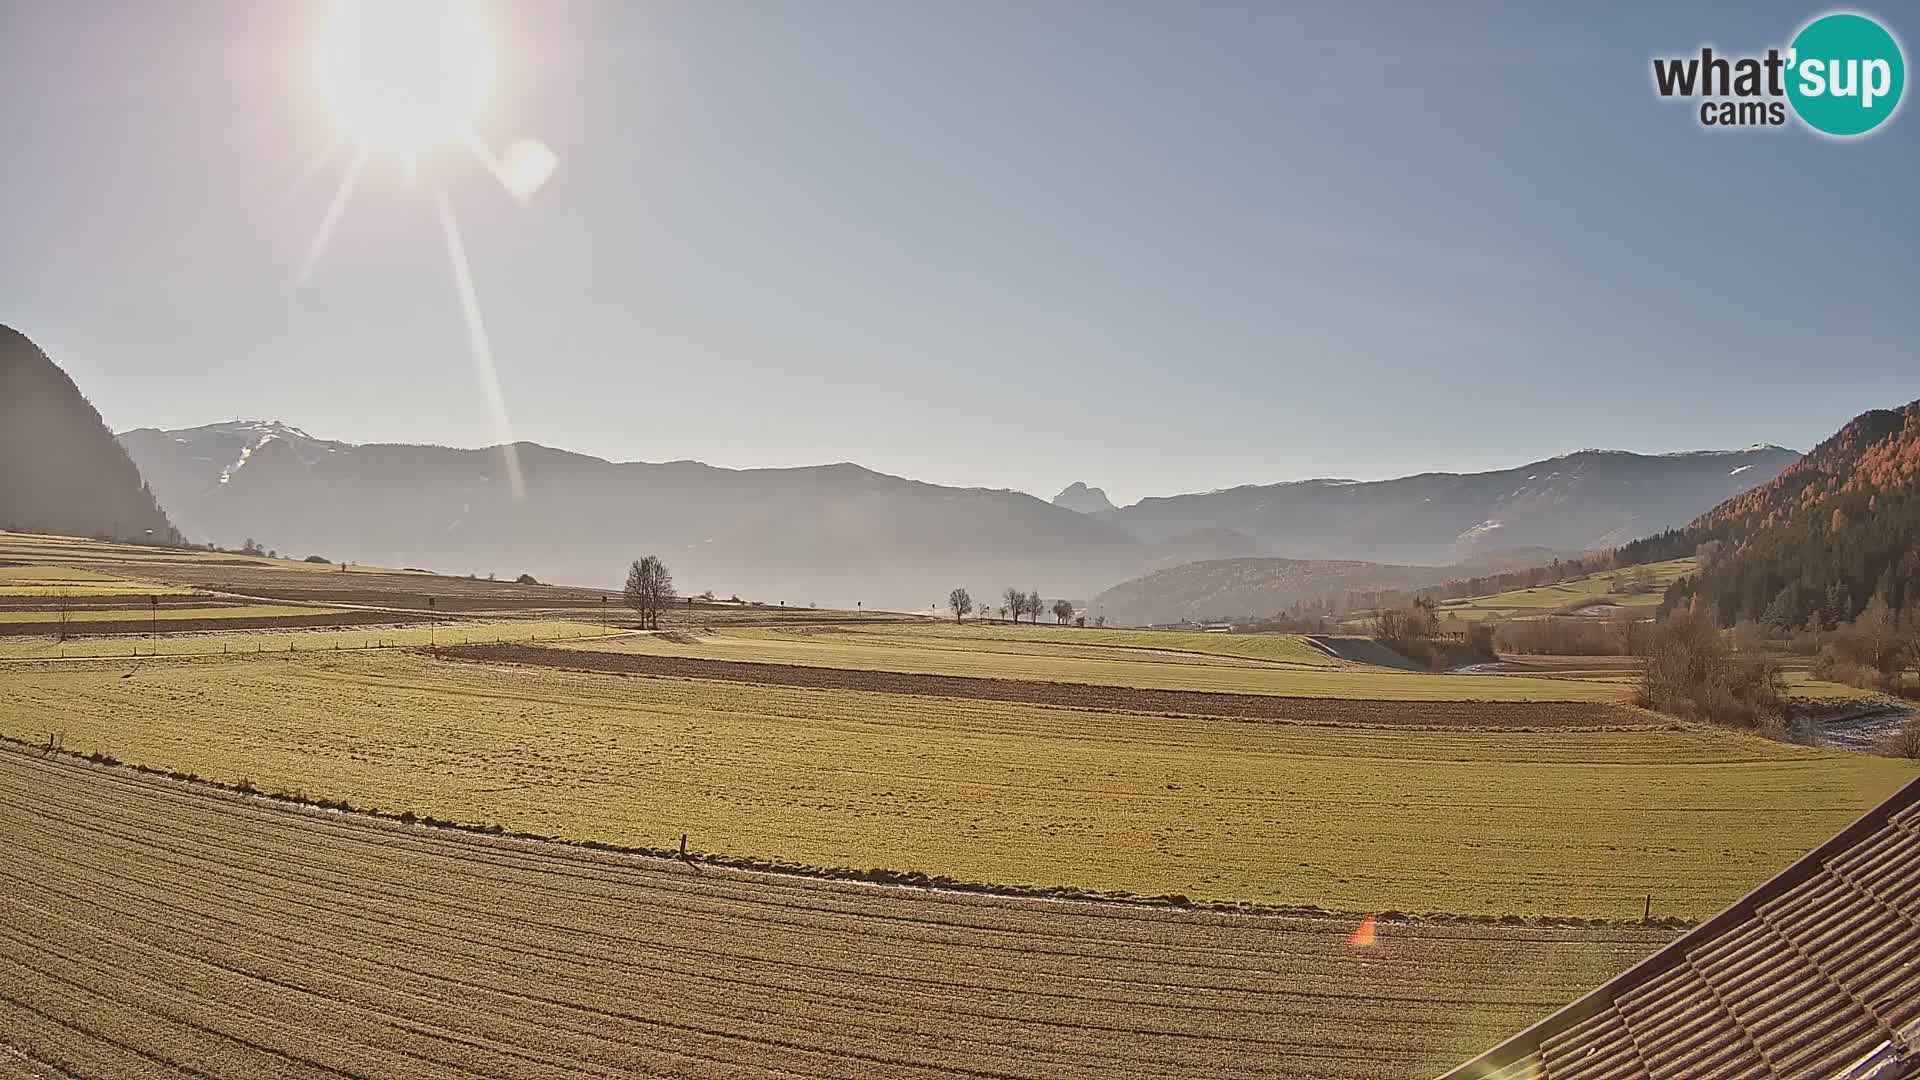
<point>1817,542</point>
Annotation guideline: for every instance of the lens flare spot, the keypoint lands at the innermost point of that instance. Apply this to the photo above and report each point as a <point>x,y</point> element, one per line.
<point>1363,935</point>
<point>526,166</point>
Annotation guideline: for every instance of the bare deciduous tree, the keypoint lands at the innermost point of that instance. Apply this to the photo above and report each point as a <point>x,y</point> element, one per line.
<point>649,589</point>
<point>1709,554</point>
<point>1033,605</point>
<point>1062,611</point>
<point>1016,603</point>
<point>1903,741</point>
<point>960,603</point>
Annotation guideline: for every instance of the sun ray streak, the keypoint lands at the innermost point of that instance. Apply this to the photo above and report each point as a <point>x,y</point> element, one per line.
<point>478,345</point>
<point>334,210</point>
<point>320,161</point>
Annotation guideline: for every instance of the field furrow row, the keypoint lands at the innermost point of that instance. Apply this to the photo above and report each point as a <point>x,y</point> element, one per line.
<point>150,924</point>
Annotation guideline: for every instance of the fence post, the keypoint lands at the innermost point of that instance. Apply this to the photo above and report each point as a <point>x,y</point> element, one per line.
<point>1648,915</point>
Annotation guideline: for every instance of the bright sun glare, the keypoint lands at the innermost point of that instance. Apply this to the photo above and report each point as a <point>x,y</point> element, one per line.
<point>405,76</point>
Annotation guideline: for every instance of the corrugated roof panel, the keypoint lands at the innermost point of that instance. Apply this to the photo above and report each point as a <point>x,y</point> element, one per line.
<point>1524,1069</point>
<point>1849,1034</point>
<point>1897,999</point>
<point>1600,1049</point>
<point>1800,978</point>
<point>1889,867</point>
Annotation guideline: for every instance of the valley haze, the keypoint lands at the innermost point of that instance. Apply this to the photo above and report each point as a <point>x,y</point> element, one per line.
<point>841,534</point>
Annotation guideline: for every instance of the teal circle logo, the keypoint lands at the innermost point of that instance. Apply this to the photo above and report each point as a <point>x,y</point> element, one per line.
<point>1845,74</point>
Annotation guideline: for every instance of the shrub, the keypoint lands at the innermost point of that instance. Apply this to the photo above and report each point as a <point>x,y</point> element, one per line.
<point>1904,741</point>
<point>1693,671</point>
<point>1872,651</point>
<point>1480,640</point>
<point>525,579</point>
<point>1833,667</point>
<point>317,559</point>
<point>1567,635</point>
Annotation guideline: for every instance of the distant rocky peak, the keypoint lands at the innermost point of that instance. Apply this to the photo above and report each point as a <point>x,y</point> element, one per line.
<point>1082,499</point>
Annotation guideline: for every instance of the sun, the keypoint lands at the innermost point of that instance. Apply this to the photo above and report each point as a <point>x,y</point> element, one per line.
<point>405,76</point>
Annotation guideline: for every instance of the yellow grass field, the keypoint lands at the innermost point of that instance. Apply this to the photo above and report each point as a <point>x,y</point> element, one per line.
<point>1600,588</point>
<point>1278,648</point>
<point>990,655</point>
<point>329,639</point>
<point>141,613</point>
<point>52,581</point>
<point>156,929</point>
<point>1560,822</point>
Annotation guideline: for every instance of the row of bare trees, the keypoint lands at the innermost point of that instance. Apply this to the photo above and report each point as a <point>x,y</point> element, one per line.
<point>1016,604</point>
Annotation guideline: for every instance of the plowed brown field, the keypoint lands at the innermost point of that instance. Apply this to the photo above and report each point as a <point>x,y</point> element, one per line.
<point>152,928</point>
<point>1304,710</point>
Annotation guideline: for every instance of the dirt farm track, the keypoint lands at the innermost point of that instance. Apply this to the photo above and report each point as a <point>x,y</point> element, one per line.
<point>151,927</point>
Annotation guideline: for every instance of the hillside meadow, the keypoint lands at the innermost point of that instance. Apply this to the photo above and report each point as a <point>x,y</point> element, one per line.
<point>1465,820</point>
<point>1611,588</point>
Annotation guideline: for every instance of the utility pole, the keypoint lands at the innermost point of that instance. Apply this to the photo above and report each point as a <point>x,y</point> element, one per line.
<point>153,622</point>
<point>603,613</point>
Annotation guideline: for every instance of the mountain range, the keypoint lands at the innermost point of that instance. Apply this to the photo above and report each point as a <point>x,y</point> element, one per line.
<point>840,534</point>
<point>1589,500</point>
<point>832,534</point>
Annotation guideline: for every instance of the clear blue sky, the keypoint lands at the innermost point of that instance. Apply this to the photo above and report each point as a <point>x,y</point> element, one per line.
<point>1156,247</point>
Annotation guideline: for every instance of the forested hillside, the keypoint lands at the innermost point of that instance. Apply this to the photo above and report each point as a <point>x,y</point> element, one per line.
<point>1816,543</point>
<point>61,470</point>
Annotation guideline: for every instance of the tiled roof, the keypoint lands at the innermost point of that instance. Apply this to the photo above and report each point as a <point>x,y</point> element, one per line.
<point>1816,973</point>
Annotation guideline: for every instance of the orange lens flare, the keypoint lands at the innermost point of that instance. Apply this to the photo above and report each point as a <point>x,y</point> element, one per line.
<point>1363,935</point>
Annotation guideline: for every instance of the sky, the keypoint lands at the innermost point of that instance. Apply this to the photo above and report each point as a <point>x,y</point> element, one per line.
<point>1154,247</point>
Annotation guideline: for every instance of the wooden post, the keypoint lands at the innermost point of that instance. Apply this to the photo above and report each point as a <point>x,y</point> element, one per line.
<point>683,847</point>
<point>1648,915</point>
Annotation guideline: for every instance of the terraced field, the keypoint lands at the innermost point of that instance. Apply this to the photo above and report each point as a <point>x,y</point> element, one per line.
<point>989,655</point>
<point>1276,648</point>
<point>348,630</point>
<point>161,570</point>
<point>1353,806</point>
<point>607,656</point>
<point>47,581</point>
<point>1611,587</point>
<point>149,928</point>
